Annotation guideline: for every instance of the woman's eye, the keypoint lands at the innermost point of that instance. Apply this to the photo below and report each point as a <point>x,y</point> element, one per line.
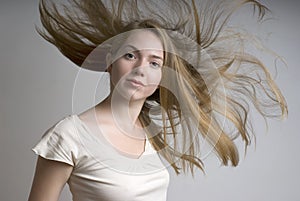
<point>155,64</point>
<point>129,56</point>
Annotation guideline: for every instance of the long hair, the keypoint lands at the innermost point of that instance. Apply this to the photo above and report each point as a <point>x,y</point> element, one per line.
<point>206,98</point>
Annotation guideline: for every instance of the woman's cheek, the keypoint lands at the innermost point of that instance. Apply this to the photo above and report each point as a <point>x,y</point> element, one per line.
<point>155,81</point>
<point>158,78</point>
<point>118,73</point>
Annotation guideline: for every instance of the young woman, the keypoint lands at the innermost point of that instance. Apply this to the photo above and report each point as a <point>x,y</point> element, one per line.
<point>177,75</point>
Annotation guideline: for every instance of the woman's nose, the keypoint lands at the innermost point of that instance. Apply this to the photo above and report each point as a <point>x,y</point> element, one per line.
<point>139,68</point>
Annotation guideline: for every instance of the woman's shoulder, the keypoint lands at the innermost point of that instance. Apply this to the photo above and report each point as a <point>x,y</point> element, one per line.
<point>89,119</point>
<point>60,142</point>
<point>65,128</point>
<point>66,123</point>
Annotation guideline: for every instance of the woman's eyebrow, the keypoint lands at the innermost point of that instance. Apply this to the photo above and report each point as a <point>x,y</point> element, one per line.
<point>135,49</point>
<point>156,57</point>
<point>132,47</point>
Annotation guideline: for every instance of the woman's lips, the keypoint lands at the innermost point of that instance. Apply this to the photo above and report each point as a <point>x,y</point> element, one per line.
<point>135,82</point>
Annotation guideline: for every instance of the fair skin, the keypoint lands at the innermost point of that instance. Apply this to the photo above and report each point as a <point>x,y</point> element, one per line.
<point>134,75</point>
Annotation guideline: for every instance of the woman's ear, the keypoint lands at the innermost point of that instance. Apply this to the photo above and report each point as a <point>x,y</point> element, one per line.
<point>108,62</point>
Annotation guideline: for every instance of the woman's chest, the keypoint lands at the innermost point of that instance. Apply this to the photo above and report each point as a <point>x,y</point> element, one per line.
<point>111,181</point>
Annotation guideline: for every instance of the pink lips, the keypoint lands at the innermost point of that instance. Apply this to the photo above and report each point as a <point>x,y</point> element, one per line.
<point>136,82</point>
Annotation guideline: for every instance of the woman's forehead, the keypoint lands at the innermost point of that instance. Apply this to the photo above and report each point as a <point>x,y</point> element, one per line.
<point>143,40</point>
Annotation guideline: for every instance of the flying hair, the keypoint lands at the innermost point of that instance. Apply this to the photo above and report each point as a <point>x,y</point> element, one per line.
<point>217,81</point>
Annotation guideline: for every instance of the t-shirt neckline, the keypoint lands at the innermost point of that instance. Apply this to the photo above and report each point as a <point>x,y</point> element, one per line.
<point>91,134</point>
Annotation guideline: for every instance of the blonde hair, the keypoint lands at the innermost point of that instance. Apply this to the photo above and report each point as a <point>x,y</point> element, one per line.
<point>245,80</point>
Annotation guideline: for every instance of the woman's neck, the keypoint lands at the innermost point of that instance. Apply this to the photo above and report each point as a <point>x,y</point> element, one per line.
<point>123,112</point>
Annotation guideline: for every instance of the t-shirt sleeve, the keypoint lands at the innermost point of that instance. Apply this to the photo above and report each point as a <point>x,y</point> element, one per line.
<point>59,143</point>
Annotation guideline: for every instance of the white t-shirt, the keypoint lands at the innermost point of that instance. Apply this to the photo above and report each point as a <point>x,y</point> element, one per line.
<point>100,173</point>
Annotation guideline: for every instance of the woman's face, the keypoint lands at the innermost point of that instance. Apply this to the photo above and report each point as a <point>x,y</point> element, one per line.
<point>137,72</point>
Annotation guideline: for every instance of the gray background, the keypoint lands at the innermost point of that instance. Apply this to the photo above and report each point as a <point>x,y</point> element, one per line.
<point>36,84</point>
